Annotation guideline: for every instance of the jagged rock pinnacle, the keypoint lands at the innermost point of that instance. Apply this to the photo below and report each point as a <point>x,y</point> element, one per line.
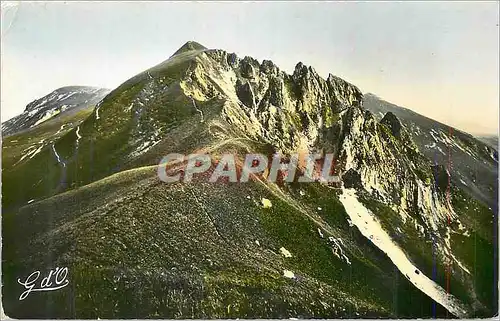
<point>391,121</point>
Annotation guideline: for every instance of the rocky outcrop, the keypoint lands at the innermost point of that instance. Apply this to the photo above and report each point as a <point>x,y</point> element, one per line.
<point>393,123</point>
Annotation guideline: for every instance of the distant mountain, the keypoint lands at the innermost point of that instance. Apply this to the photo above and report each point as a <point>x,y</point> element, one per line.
<point>45,120</point>
<point>60,101</point>
<point>400,237</point>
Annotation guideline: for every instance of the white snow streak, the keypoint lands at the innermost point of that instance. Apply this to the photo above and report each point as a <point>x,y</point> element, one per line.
<point>57,156</point>
<point>371,228</point>
<point>78,136</point>
<point>97,110</point>
<point>31,152</point>
<point>431,145</point>
<point>60,129</point>
<point>36,152</point>
<point>337,249</point>
<point>460,264</point>
<point>199,110</point>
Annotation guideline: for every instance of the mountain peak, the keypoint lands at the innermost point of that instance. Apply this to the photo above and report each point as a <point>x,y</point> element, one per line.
<point>188,46</point>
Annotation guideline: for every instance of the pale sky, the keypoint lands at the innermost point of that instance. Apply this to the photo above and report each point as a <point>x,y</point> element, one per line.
<point>440,59</point>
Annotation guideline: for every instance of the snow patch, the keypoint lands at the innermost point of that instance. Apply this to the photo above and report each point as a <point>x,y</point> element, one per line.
<point>337,249</point>
<point>368,225</point>
<point>33,112</point>
<point>266,203</point>
<point>49,114</point>
<point>285,252</point>
<point>144,147</point>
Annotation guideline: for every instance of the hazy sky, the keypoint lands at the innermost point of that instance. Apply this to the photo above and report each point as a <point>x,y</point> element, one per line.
<point>439,59</point>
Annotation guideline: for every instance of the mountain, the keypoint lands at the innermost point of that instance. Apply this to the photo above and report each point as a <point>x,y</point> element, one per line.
<point>59,102</point>
<point>45,120</point>
<point>398,238</point>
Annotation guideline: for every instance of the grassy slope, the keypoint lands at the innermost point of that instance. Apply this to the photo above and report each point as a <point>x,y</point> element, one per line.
<point>479,246</point>
<point>189,251</point>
